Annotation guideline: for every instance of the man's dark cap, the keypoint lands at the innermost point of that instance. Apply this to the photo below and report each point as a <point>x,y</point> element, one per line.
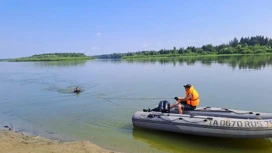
<point>187,86</point>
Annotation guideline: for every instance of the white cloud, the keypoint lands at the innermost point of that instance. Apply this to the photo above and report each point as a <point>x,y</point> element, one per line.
<point>94,48</point>
<point>98,34</point>
<point>145,45</point>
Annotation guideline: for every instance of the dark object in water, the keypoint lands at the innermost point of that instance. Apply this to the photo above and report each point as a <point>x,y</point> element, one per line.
<point>77,90</point>
<point>9,128</point>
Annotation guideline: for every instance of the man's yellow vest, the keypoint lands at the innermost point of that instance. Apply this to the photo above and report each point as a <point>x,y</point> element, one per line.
<point>194,101</point>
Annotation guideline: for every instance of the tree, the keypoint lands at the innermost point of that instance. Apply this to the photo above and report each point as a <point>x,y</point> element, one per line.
<point>234,42</point>
<point>181,50</point>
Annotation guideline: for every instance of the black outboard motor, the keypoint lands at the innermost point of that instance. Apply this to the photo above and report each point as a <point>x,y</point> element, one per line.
<point>164,107</point>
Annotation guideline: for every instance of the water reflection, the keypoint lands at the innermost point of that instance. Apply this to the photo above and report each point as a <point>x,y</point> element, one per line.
<point>234,61</point>
<point>174,142</point>
<point>61,63</point>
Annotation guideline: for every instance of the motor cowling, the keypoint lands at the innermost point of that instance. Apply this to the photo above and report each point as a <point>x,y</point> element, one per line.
<point>164,107</point>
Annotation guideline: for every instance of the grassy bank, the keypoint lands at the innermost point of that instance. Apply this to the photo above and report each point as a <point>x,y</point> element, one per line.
<point>53,57</point>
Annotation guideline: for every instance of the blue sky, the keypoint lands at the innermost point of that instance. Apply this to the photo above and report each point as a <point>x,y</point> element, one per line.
<point>97,27</point>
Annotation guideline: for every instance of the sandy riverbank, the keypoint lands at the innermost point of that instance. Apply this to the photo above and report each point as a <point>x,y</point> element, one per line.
<point>13,142</point>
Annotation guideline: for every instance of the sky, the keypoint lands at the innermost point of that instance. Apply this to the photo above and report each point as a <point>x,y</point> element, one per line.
<point>96,27</point>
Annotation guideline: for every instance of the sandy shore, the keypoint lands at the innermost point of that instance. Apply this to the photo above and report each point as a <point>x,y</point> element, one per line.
<point>13,142</point>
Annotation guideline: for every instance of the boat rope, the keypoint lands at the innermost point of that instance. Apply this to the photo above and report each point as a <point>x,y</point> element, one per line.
<point>110,98</point>
<point>131,98</point>
<point>231,111</point>
<point>180,118</point>
<point>204,120</point>
<point>110,101</point>
<point>238,112</point>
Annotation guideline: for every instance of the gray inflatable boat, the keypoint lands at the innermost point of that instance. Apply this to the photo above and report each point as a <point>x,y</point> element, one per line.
<point>206,121</point>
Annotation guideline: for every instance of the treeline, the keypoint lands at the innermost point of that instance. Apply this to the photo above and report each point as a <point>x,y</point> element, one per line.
<point>258,61</point>
<point>53,57</point>
<point>4,60</point>
<point>246,45</point>
<point>60,55</point>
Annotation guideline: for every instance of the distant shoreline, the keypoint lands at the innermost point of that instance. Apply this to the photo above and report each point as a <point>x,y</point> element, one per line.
<point>48,60</point>
<point>244,46</point>
<point>185,56</point>
<point>26,59</point>
<point>53,57</point>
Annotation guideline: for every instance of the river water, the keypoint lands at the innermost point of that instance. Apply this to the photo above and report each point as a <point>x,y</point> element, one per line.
<point>37,98</point>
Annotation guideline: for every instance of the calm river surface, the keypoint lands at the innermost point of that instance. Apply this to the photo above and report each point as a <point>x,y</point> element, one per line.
<point>37,98</point>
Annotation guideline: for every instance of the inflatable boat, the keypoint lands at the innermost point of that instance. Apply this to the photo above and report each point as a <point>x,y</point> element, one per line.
<point>206,121</point>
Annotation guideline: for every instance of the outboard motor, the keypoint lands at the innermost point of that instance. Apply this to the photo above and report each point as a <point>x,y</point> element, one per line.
<point>164,107</point>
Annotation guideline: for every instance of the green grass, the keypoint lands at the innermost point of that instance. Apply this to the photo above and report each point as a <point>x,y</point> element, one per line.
<point>53,57</point>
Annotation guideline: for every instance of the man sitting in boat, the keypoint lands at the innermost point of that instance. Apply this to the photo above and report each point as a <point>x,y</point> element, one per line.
<point>189,102</point>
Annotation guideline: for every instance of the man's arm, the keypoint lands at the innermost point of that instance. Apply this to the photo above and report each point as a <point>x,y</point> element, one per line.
<point>189,96</point>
